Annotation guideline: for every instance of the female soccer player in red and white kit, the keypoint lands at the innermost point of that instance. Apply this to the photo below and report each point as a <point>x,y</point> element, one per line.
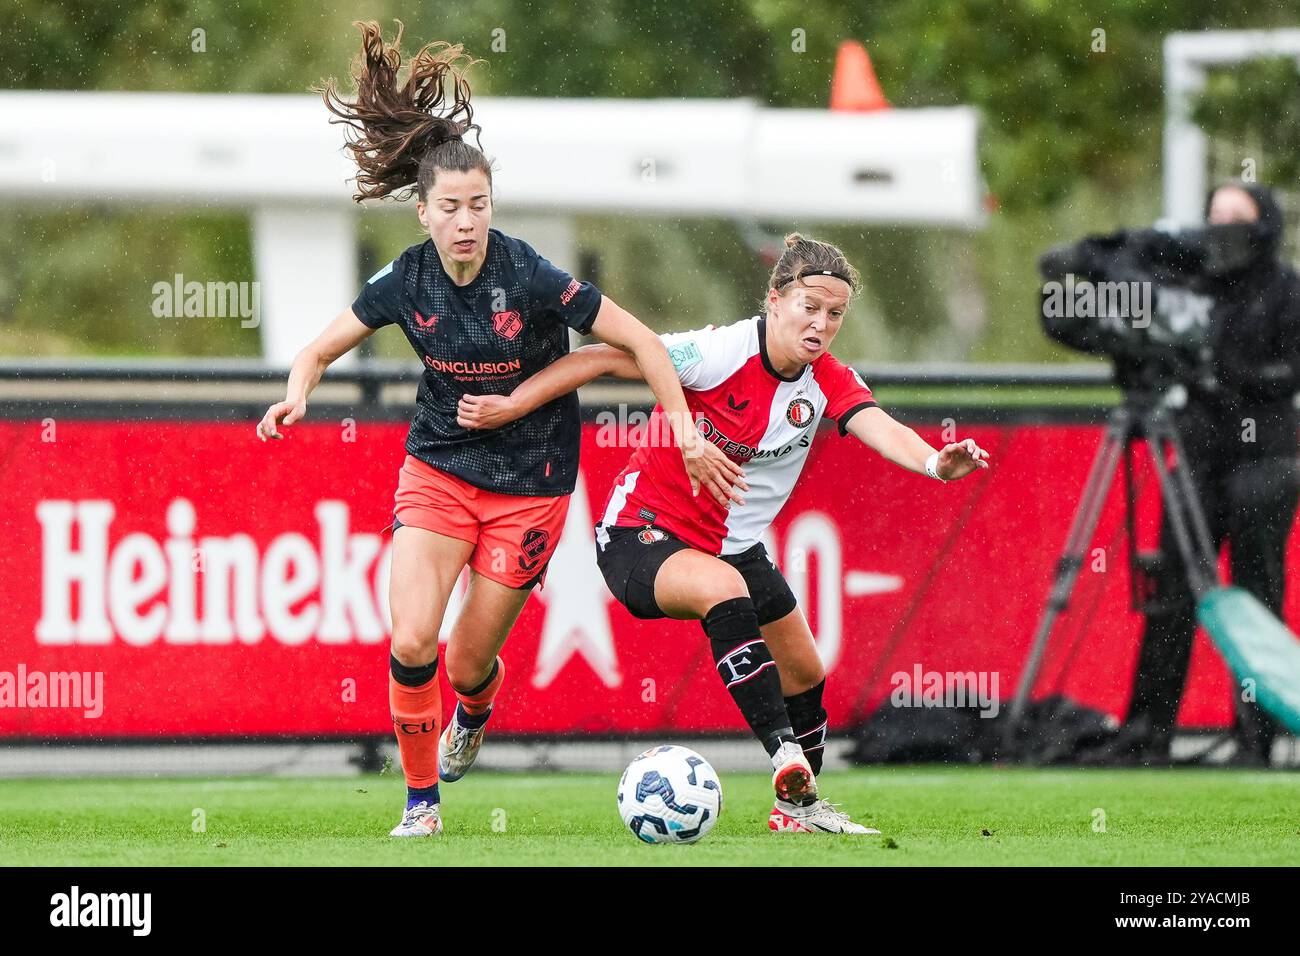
<point>483,311</point>
<point>757,390</point>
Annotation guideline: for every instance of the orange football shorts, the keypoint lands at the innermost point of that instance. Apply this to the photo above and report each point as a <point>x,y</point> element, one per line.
<point>514,535</point>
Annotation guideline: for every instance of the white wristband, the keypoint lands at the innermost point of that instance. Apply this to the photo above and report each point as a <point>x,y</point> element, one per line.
<point>932,466</point>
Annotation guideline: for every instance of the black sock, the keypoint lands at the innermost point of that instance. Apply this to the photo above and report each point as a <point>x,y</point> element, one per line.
<point>472,721</point>
<point>748,671</point>
<point>416,676</point>
<point>808,718</point>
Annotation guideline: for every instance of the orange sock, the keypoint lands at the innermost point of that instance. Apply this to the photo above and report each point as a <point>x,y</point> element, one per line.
<point>479,700</point>
<point>416,712</point>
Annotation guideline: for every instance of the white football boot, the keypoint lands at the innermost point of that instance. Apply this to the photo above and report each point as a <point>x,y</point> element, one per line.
<point>792,776</point>
<point>458,748</point>
<point>821,816</point>
<point>421,820</point>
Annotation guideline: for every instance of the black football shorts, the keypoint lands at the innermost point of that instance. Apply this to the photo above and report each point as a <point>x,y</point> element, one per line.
<point>632,557</point>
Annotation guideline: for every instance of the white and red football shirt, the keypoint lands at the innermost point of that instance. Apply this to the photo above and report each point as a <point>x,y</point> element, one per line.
<point>758,418</point>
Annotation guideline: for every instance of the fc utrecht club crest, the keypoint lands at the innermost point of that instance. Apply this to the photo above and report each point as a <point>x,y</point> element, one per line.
<point>507,324</point>
<point>533,545</point>
<point>800,413</point>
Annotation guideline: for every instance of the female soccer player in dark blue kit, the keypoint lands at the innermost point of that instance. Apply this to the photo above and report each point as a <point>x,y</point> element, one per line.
<point>483,311</point>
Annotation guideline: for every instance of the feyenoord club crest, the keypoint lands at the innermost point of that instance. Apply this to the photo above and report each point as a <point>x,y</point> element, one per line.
<point>507,324</point>
<point>533,546</point>
<point>650,535</point>
<point>800,413</point>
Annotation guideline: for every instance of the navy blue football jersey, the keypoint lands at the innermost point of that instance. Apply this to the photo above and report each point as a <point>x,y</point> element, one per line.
<point>485,338</point>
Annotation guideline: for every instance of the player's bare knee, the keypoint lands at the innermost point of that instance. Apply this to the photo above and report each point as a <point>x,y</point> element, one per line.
<point>809,669</point>
<point>722,584</point>
<point>414,647</point>
<point>466,669</point>
<point>801,670</point>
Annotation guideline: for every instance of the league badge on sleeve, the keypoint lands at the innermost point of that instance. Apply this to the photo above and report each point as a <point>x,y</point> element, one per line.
<point>684,355</point>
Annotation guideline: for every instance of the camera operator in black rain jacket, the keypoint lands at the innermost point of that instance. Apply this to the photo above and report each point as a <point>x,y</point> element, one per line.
<point>1241,434</point>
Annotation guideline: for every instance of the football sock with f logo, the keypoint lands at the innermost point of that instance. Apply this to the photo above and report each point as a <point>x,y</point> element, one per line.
<point>747,670</point>
<point>808,718</point>
<point>415,700</point>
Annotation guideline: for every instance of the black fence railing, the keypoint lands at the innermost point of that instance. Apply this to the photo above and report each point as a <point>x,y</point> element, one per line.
<point>370,376</point>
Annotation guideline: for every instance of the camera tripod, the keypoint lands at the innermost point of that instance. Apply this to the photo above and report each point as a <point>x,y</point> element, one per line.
<point>1143,416</point>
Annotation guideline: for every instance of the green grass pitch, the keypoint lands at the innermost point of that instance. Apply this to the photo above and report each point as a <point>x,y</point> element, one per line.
<point>929,815</point>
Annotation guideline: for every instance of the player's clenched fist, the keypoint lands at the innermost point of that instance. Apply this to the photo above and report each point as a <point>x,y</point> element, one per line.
<point>485,411</point>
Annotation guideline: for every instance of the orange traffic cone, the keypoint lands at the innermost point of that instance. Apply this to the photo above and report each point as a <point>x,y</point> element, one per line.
<point>855,87</point>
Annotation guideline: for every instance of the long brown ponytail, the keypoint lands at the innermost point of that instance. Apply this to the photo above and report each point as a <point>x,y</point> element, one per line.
<point>401,135</point>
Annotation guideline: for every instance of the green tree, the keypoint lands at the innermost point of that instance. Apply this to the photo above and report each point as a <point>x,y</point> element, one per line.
<point>1071,101</point>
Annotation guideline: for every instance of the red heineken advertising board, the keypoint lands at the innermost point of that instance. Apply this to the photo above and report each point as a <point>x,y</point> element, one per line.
<point>220,586</point>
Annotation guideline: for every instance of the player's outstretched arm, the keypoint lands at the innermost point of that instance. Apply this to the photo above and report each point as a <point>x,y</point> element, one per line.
<point>895,442</point>
<point>559,378</point>
<point>342,335</point>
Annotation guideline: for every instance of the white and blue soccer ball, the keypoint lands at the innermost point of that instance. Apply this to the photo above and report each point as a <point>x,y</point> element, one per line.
<point>669,795</point>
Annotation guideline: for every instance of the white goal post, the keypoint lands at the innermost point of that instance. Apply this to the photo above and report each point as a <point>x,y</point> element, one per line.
<point>277,157</point>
